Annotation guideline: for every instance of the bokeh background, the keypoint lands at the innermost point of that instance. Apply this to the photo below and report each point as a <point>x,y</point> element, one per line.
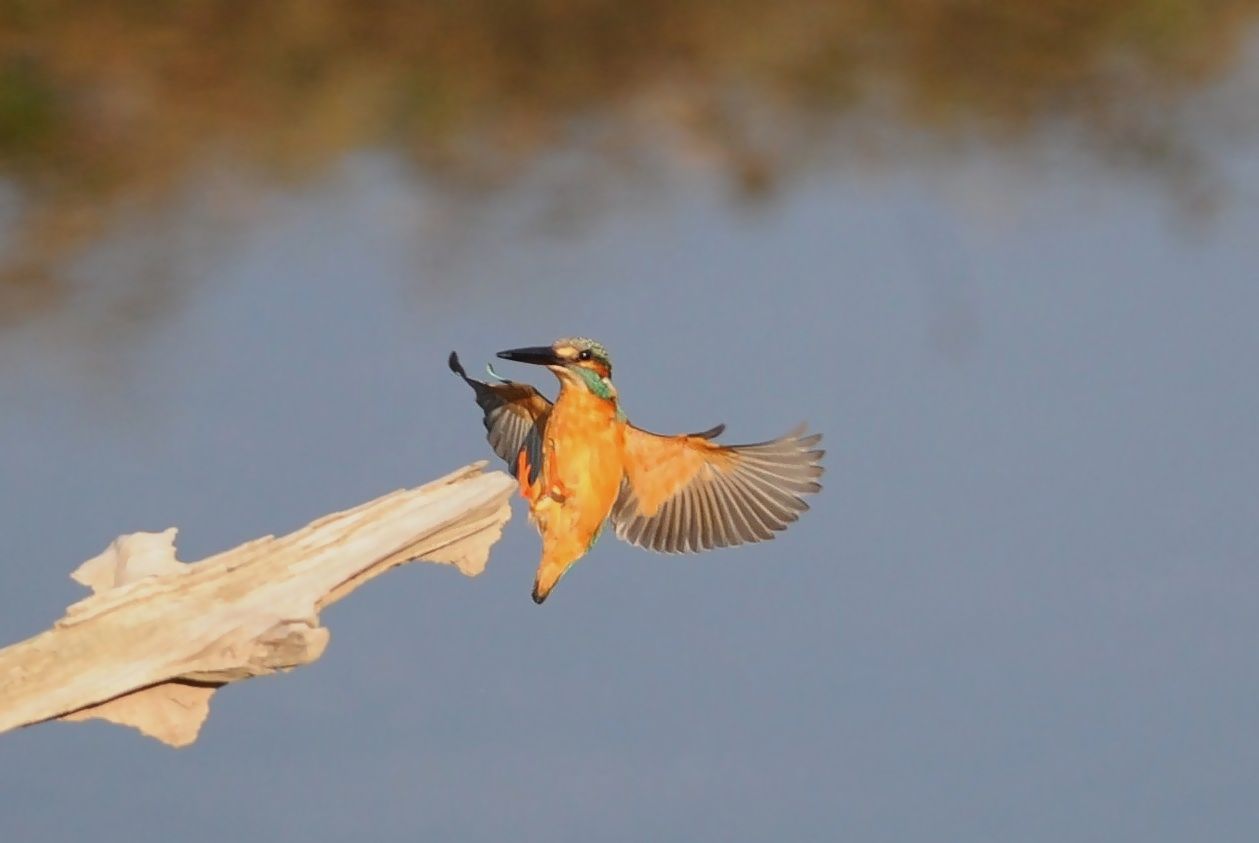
<point>1005,256</point>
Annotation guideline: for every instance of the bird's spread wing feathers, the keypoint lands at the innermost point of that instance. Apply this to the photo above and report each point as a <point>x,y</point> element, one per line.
<point>683,494</point>
<point>515,415</point>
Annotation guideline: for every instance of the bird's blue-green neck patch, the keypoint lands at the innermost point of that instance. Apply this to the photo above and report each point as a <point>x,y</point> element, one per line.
<point>599,386</point>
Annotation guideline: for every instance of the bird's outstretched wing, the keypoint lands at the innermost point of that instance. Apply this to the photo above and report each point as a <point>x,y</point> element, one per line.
<point>515,415</point>
<point>683,494</point>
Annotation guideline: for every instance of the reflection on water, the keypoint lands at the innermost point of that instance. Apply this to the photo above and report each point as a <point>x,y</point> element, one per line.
<point>109,111</point>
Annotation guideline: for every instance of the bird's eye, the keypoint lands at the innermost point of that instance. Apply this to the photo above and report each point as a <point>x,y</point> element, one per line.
<point>584,355</point>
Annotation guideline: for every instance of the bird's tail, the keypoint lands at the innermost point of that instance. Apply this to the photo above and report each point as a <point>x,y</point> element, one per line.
<point>549,573</point>
<point>559,551</point>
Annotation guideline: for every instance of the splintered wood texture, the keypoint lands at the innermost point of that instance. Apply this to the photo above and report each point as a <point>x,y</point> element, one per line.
<point>158,636</point>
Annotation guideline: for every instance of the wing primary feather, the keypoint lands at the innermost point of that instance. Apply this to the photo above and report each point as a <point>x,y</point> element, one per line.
<point>668,526</point>
<point>713,517</point>
<point>690,542</point>
<point>728,518</point>
<point>683,494</point>
<point>664,537</point>
<point>767,499</point>
<point>651,526</point>
<point>747,503</point>
<point>680,524</point>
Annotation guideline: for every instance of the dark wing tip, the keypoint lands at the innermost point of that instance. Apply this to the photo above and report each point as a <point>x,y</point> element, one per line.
<point>711,433</point>
<point>456,366</point>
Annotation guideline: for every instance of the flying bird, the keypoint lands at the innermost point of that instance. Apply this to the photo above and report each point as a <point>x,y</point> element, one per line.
<point>579,463</point>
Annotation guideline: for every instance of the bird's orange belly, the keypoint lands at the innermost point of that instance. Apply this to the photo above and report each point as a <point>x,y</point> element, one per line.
<point>585,476</point>
<point>581,477</point>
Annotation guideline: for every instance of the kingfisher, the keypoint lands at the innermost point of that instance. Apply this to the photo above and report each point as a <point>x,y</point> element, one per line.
<point>579,463</point>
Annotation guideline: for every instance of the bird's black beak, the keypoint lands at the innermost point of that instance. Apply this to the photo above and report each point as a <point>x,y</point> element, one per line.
<point>539,355</point>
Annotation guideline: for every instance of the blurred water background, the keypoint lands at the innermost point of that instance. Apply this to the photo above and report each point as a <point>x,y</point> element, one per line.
<point>1002,255</point>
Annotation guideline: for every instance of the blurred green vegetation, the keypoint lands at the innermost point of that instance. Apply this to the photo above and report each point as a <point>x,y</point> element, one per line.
<point>111,103</point>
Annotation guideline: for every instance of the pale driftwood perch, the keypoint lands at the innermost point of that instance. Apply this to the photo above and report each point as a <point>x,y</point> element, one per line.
<point>158,637</point>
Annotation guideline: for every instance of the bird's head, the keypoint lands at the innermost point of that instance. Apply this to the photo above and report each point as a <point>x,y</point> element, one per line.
<point>577,361</point>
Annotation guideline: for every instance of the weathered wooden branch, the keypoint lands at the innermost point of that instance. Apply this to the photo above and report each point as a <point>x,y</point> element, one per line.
<point>150,647</point>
